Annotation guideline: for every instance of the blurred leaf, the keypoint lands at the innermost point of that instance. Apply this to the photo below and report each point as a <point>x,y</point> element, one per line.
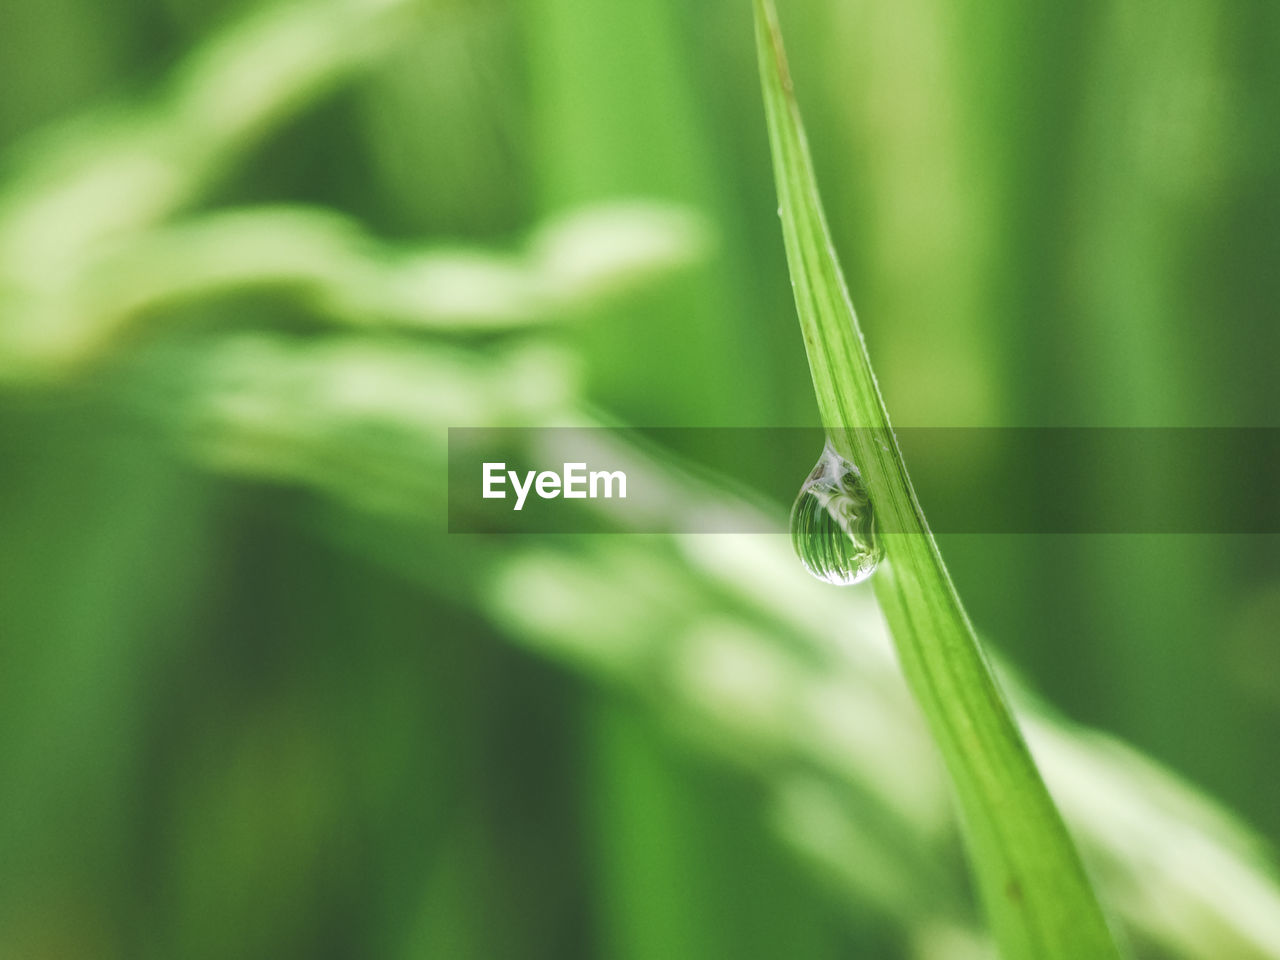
<point>571,264</point>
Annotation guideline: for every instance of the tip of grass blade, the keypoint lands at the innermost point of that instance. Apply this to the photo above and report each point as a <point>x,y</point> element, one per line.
<point>1038,898</point>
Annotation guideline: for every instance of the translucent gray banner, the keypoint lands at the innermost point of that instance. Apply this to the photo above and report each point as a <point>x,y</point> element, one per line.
<point>969,480</point>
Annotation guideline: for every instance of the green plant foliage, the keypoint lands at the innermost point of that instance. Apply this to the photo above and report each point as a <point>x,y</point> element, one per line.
<point>1037,895</point>
<point>257,258</point>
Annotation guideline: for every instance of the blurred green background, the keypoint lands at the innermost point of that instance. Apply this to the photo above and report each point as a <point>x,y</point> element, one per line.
<point>256,259</point>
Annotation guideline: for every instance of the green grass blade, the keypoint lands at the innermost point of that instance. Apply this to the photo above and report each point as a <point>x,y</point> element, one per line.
<point>1038,898</point>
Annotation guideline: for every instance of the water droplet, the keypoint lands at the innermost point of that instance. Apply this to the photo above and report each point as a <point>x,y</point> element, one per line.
<point>833,528</point>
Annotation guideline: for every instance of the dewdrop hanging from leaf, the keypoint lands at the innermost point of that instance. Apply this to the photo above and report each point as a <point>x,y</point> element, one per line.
<point>833,527</point>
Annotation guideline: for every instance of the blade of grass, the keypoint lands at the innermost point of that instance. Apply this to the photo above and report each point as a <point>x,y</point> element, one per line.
<point>1038,898</point>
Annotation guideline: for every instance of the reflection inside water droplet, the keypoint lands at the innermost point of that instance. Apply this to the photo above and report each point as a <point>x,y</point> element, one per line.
<point>833,527</point>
